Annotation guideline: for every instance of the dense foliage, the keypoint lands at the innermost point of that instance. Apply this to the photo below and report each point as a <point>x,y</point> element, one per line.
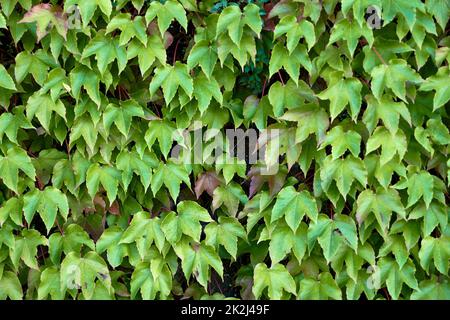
<point>93,205</point>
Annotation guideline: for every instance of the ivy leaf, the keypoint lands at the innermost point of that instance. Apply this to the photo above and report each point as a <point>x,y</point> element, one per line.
<point>50,284</point>
<point>276,279</point>
<point>290,96</point>
<point>351,31</point>
<point>396,245</point>
<point>81,76</point>
<point>108,176</point>
<point>420,185</point>
<point>147,53</point>
<point>15,159</point>
<point>432,289</point>
<point>105,51</point>
<point>150,284</point>
<point>88,8</point>
<point>293,205</point>
<point>35,63</point>
<point>391,144</point>
<point>231,196</point>
<point>387,110</point>
<point>130,162</point>
<point>43,106</point>
<point>72,240</point>
<point>144,231</point>
<point>11,287</point>
<point>129,28</point>
<point>109,242</point>
<point>5,79</point>
<point>342,93</point>
<point>440,84</point>
<point>163,131</point>
<point>394,276</point>
<point>204,90</point>
<point>344,172</point>
<point>208,182</point>
<point>231,19</point>
<point>436,249</point>
<point>341,141</point>
<point>294,31</point>
<point>12,208</point>
<point>169,78</point>
<point>393,76</point>
<point>323,288</point>
<point>347,227</point>
<point>46,16</point>
<point>10,123</point>
<point>205,55</point>
<point>198,258</point>
<point>47,202</point>
<point>166,13</point>
<point>381,204</point>
<point>187,221</point>
<point>393,8</point>
<point>121,116</point>
<point>440,9</point>
<point>291,62</point>
<point>171,175</point>
<point>80,272</point>
<point>25,248</point>
<point>225,233</point>
<point>311,119</point>
<point>230,167</point>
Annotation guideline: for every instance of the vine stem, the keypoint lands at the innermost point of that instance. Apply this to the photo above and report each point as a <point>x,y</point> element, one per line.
<point>281,78</point>
<point>175,52</point>
<point>379,55</point>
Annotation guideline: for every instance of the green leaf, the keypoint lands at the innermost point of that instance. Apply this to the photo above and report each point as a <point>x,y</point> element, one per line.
<point>5,79</point>
<point>351,31</point>
<point>47,203</point>
<point>147,53</point>
<point>391,144</point>
<point>88,8</point>
<point>291,62</point>
<point>109,178</point>
<point>15,159</point>
<point>204,90</point>
<point>171,175</point>
<point>440,84</point>
<point>11,287</point>
<point>276,279</point>
<point>198,258</point>
<point>105,51</point>
<point>50,284</point>
<point>121,116</point>
<point>170,78</point>
<point>342,93</point>
<point>323,288</point>
<point>25,248</point>
<point>46,17</point>
<point>341,141</point>
<point>81,272</point>
<point>129,28</point>
<point>436,249</point>
<point>204,55</point>
<point>294,31</point>
<point>293,206</point>
<point>381,204</point>
<point>231,196</point>
<point>225,233</point>
<point>394,76</point>
<point>166,13</point>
